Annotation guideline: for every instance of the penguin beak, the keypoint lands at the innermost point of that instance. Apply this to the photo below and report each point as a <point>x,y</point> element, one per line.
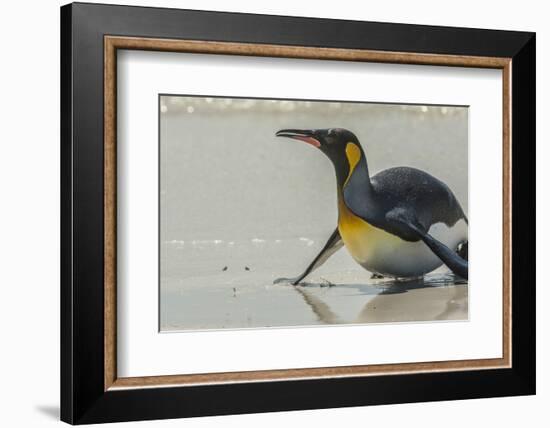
<point>307,136</point>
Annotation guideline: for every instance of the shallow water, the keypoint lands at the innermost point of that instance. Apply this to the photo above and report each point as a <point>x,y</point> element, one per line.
<point>222,293</point>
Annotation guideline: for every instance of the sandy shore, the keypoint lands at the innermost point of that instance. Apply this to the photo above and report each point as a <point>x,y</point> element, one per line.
<point>247,301</point>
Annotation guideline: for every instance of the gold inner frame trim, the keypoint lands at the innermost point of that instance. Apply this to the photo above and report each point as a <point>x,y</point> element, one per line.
<point>113,43</point>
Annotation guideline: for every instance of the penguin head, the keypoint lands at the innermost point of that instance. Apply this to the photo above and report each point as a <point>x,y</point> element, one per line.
<point>340,145</point>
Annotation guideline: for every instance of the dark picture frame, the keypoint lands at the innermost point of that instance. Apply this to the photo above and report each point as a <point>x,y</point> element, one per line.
<point>90,37</point>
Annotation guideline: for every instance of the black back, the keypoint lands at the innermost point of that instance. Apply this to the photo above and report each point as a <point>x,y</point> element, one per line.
<point>424,198</point>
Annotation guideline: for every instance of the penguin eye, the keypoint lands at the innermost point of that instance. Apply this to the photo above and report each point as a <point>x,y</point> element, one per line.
<point>332,136</point>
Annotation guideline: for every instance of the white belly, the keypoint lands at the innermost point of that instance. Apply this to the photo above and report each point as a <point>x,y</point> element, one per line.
<point>409,259</point>
<point>381,252</point>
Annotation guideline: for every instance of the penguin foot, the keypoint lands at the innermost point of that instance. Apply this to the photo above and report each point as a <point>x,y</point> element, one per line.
<point>376,276</point>
<point>287,281</point>
<point>326,283</point>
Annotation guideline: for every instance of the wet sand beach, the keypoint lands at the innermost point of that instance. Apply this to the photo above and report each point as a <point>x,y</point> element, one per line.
<point>234,297</point>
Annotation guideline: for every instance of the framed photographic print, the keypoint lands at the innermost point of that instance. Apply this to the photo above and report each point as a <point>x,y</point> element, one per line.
<point>265,213</point>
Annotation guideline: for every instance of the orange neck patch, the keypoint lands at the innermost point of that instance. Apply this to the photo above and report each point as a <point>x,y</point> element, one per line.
<point>353,153</point>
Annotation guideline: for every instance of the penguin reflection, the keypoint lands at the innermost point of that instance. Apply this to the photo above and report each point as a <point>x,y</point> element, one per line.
<point>434,297</point>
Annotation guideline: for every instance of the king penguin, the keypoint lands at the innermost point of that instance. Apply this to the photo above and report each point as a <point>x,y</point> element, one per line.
<point>401,222</point>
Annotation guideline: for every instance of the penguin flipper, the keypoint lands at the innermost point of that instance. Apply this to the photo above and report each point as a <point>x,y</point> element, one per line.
<point>333,244</point>
<point>411,227</point>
